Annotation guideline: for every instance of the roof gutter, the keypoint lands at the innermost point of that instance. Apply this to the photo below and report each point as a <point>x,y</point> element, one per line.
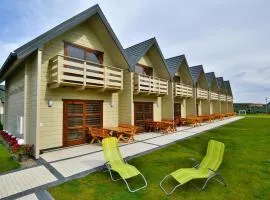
<point>9,62</point>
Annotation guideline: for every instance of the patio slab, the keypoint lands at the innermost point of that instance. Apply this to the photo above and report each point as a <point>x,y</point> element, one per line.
<point>81,164</point>
<point>19,181</point>
<point>28,197</point>
<point>145,136</point>
<point>70,152</point>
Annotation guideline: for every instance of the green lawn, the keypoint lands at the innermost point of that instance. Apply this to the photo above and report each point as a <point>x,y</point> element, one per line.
<point>6,163</point>
<point>246,168</point>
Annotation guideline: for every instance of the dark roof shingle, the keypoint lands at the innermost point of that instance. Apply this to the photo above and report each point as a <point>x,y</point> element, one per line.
<point>195,72</point>
<point>210,77</point>
<point>174,63</point>
<point>31,46</point>
<point>136,52</point>
<point>220,82</point>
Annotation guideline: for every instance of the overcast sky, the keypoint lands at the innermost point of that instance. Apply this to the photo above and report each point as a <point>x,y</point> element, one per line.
<point>231,38</point>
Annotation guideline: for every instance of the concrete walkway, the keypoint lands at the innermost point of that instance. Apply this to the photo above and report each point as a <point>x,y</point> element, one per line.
<point>56,167</point>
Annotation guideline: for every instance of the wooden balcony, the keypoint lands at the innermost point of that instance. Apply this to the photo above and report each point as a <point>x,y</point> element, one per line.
<point>150,85</point>
<point>229,99</point>
<point>222,97</point>
<point>74,72</point>
<point>202,93</point>
<point>213,96</point>
<point>182,90</point>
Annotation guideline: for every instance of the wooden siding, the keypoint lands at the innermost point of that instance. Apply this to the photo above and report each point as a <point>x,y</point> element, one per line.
<point>126,108</point>
<point>14,100</point>
<point>145,61</point>
<point>51,131</point>
<point>168,103</point>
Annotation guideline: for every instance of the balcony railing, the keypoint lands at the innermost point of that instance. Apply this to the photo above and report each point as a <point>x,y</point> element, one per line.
<point>182,90</point>
<point>150,85</point>
<point>74,72</point>
<point>222,97</point>
<point>202,93</point>
<point>229,98</point>
<point>213,96</point>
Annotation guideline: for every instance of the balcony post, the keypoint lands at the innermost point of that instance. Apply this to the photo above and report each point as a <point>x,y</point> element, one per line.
<point>84,73</point>
<point>150,84</point>
<point>60,64</point>
<point>122,79</point>
<point>105,76</point>
<point>159,86</point>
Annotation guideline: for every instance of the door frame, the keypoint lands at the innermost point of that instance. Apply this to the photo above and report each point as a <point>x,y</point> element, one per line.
<point>83,101</point>
<point>142,102</point>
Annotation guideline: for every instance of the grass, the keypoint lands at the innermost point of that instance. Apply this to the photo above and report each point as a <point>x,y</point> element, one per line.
<point>6,163</point>
<point>246,168</point>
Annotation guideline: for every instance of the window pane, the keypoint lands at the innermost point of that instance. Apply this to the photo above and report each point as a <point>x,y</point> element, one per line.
<point>143,70</point>
<point>139,69</point>
<point>75,52</point>
<point>176,79</point>
<point>92,57</point>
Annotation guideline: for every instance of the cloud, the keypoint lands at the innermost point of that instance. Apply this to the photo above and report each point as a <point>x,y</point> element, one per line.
<point>230,37</point>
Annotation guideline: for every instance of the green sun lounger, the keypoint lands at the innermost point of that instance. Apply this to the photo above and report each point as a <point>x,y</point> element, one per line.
<point>207,169</point>
<point>115,163</point>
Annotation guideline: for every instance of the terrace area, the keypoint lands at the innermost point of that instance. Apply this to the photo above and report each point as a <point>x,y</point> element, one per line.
<point>202,93</point>
<point>150,85</point>
<point>82,74</point>
<point>183,90</point>
<point>213,96</point>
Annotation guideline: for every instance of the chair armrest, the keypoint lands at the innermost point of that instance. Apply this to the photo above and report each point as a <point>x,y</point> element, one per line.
<point>215,172</point>
<point>197,163</point>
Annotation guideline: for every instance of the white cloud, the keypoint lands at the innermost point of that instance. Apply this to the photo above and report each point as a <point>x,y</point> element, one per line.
<point>230,38</point>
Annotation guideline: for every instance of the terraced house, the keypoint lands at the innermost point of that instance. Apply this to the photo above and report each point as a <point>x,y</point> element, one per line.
<point>182,86</point>
<point>148,84</point>
<point>222,95</point>
<point>229,96</point>
<point>78,75</point>
<point>213,93</point>
<point>200,90</point>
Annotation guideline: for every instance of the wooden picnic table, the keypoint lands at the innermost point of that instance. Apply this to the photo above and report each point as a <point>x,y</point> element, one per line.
<point>165,126</point>
<point>120,133</point>
<point>206,118</point>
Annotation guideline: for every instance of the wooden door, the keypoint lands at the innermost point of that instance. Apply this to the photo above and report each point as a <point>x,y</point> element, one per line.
<point>78,115</point>
<point>143,111</point>
<point>177,110</point>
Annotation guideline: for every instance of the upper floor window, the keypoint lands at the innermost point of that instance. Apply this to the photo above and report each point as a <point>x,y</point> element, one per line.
<point>144,70</point>
<point>176,79</point>
<point>83,53</point>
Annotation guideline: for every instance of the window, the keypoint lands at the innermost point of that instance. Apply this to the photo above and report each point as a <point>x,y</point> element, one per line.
<point>176,79</point>
<point>145,70</point>
<point>83,53</point>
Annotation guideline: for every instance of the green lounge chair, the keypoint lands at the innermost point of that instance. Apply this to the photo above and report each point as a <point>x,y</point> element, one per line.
<point>115,162</point>
<point>207,169</point>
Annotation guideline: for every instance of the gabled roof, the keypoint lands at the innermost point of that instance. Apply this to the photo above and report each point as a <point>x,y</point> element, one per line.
<point>175,63</point>
<point>39,41</point>
<point>210,77</point>
<point>195,72</point>
<point>137,51</point>
<point>220,82</point>
<point>228,87</point>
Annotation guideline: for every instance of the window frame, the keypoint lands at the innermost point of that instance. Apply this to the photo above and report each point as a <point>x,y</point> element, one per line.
<point>99,54</point>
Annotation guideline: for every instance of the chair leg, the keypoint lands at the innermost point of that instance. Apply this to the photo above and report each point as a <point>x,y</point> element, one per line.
<point>93,140</point>
<point>163,189</point>
<point>135,190</point>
